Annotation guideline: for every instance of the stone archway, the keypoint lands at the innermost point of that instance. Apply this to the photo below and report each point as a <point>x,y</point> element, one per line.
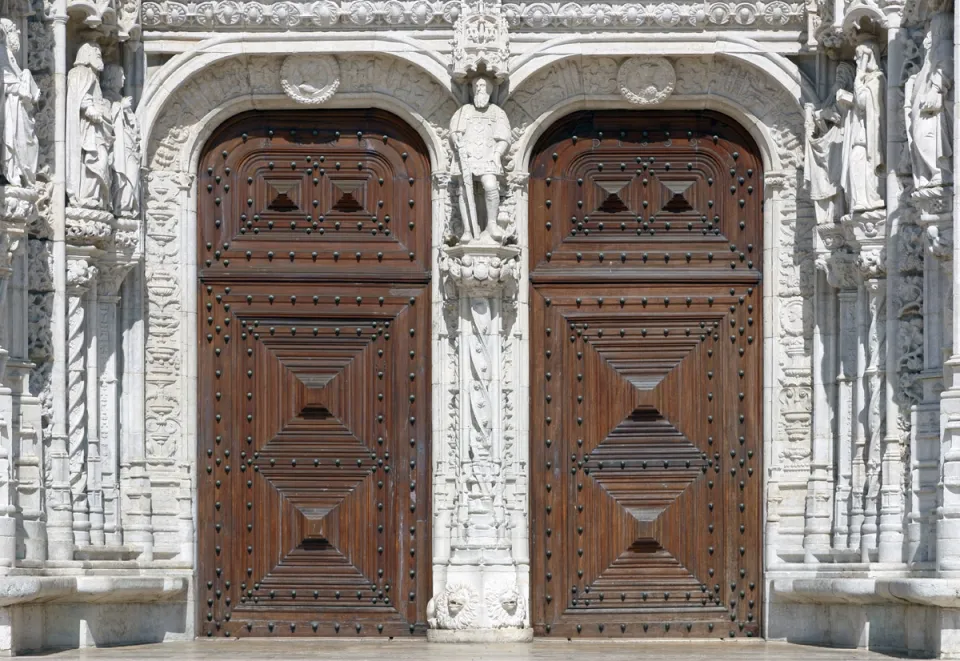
<point>177,125</point>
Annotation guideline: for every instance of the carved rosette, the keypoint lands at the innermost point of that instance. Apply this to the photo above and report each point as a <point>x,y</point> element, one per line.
<point>480,41</point>
<point>646,81</point>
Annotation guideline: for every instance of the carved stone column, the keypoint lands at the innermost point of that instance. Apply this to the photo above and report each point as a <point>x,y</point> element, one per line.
<point>81,276</point>
<point>883,466</point>
<point>483,596</point>
<point>111,276</point>
<point>842,275</point>
<point>17,208</point>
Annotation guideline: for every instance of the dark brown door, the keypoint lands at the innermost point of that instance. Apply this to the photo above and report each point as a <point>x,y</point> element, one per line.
<point>646,383</point>
<point>314,382</point>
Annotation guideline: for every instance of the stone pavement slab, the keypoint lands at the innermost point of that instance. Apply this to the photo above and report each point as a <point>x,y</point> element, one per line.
<point>338,650</point>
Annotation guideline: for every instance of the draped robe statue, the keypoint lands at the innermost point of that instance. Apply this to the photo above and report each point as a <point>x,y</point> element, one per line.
<point>928,114</point>
<point>480,136</point>
<point>823,163</point>
<point>126,145</point>
<point>89,132</point>
<point>19,149</point>
<point>863,139</point>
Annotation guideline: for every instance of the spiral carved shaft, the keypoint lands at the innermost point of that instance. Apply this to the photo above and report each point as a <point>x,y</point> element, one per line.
<point>876,348</point>
<point>76,392</point>
<point>485,464</point>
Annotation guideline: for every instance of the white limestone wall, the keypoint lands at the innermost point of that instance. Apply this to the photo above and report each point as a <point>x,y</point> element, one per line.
<point>758,63</point>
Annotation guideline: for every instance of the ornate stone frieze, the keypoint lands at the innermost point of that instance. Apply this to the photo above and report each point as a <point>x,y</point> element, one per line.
<point>310,79</point>
<point>440,14</point>
<point>646,81</point>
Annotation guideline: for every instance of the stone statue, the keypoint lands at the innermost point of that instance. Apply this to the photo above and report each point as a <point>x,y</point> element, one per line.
<point>89,132</point>
<point>480,135</point>
<point>928,116</point>
<point>824,150</point>
<point>126,145</point>
<point>19,94</point>
<point>863,140</point>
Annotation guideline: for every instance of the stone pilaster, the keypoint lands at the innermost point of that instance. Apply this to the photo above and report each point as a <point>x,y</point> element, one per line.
<point>81,276</point>
<point>17,209</point>
<point>483,595</point>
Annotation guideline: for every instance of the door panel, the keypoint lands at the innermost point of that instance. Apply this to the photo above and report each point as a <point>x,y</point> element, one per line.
<point>313,376</point>
<point>646,378</point>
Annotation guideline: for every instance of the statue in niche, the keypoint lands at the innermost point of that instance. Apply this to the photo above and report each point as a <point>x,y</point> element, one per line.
<point>18,97</point>
<point>928,116</point>
<point>824,150</point>
<point>480,136</point>
<point>863,140</point>
<point>89,132</point>
<point>126,144</point>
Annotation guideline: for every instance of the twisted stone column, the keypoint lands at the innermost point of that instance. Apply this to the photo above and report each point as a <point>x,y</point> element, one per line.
<point>81,276</point>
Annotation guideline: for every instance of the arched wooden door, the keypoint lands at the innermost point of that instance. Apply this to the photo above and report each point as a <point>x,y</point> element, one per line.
<point>646,377</point>
<point>314,381</point>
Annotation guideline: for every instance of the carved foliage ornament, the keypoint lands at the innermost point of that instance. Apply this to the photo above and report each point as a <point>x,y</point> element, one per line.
<point>310,79</point>
<point>306,15</point>
<point>646,80</point>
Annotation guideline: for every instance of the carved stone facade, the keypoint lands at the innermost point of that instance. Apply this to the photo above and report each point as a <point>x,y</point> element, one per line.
<point>106,107</point>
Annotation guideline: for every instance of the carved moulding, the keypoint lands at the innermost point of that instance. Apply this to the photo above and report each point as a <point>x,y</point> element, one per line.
<point>310,79</point>
<point>646,81</point>
<point>439,14</point>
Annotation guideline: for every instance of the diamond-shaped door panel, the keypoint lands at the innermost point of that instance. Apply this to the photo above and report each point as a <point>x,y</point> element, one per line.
<point>317,424</point>
<point>637,403</point>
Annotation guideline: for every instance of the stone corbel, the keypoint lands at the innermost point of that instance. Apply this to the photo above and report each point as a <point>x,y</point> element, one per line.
<point>935,215</point>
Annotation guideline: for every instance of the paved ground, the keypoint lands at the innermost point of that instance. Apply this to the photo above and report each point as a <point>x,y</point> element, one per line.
<point>334,650</point>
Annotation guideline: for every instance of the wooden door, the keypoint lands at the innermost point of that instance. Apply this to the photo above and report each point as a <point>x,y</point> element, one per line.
<point>314,381</point>
<point>646,377</point>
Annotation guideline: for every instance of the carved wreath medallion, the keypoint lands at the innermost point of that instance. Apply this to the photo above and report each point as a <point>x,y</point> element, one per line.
<point>310,79</point>
<point>646,80</point>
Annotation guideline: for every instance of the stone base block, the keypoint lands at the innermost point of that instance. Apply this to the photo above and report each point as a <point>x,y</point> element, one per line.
<point>47,612</point>
<point>919,618</point>
<point>480,635</point>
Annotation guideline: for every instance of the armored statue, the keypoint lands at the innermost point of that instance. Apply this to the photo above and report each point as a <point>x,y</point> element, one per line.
<point>928,116</point>
<point>89,132</point>
<point>863,140</point>
<point>126,145</point>
<point>480,136</point>
<point>824,149</point>
<point>18,97</point>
